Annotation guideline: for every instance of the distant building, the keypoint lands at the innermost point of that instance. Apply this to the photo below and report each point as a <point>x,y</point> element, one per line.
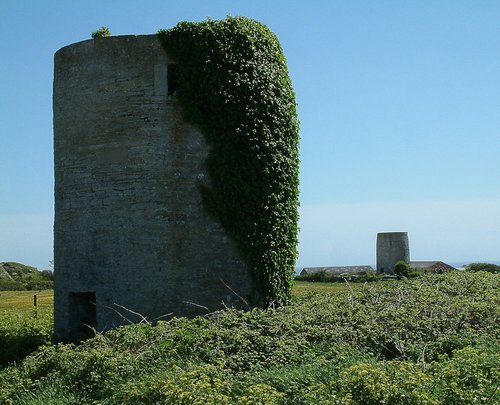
<point>336,271</point>
<point>391,248</point>
<point>434,265</point>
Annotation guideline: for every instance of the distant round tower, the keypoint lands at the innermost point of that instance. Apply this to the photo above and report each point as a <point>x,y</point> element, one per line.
<point>131,235</point>
<point>391,248</point>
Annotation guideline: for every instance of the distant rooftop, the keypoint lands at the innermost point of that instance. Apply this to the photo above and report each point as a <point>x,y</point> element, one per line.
<point>430,264</point>
<point>338,270</point>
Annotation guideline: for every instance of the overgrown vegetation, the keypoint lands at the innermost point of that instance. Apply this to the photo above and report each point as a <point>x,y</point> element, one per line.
<point>101,33</point>
<point>431,340</point>
<point>489,267</point>
<point>234,85</point>
<point>328,277</point>
<point>16,276</point>
<point>23,328</point>
<point>22,333</point>
<point>402,270</point>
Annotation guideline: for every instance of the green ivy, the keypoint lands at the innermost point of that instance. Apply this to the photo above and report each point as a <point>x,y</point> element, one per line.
<point>234,85</point>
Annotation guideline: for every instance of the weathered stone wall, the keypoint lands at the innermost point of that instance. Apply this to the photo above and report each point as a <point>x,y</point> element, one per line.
<point>129,220</point>
<point>391,248</point>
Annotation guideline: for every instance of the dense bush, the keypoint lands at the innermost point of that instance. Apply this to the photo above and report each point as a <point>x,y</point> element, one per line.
<point>22,333</point>
<point>404,270</point>
<point>489,267</point>
<point>31,284</point>
<point>234,85</point>
<point>432,340</point>
<point>101,33</point>
<point>11,285</point>
<point>401,268</point>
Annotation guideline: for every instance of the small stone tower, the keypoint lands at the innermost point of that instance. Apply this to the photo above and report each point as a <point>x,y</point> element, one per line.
<point>391,248</point>
<point>131,236</point>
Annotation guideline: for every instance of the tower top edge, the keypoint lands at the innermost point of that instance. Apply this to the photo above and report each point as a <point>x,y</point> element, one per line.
<point>111,39</point>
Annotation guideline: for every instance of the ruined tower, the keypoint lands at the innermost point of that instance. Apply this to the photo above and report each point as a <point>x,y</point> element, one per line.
<point>391,248</point>
<point>131,235</point>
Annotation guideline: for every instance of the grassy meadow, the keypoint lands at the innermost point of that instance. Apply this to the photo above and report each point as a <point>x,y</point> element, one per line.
<point>22,301</point>
<point>430,340</point>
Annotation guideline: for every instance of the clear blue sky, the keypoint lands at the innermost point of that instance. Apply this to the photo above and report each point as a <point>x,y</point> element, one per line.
<point>399,103</point>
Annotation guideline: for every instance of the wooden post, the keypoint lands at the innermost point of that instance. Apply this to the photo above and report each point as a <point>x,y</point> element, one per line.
<point>34,300</point>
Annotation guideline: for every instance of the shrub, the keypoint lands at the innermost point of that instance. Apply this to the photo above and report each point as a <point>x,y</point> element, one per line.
<point>368,277</point>
<point>321,276</point>
<point>101,33</point>
<point>401,268</point>
<point>11,285</point>
<point>386,383</point>
<point>23,333</point>
<point>468,376</point>
<point>488,267</point>
<point>47,274</point>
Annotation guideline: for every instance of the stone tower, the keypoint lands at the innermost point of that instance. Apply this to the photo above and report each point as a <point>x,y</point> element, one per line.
<point>131,235</point>
<point>391,248</point>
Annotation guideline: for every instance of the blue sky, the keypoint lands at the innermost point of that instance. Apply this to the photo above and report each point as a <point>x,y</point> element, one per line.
<point>399,106</point>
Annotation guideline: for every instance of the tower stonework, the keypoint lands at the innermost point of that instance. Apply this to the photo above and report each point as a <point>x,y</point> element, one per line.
<point>391,248</point>
<point>131,235</point>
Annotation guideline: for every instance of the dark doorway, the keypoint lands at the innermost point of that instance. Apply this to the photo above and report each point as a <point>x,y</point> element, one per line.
<point>83,319</point>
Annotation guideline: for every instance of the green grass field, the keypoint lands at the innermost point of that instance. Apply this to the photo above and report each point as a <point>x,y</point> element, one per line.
<point>23,300</point>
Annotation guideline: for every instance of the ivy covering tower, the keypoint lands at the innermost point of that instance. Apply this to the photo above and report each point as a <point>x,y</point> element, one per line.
<point>233,84</point>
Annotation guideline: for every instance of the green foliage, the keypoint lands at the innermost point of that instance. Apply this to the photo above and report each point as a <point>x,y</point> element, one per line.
<point>316,276</point>
<point>431,340</point>
<point>368,277</point>
<point>101,33</point>
<point>489,267</point>
<point>234,85</point>
<point>23,332</point>
<point>466,377</point>
<point>301,288</point>
<point>16,276</point>
<point>24,328</point>
<point>401,268</point>
<point>326,277</point>
<point>35,283</point>
<point>18,270</point>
